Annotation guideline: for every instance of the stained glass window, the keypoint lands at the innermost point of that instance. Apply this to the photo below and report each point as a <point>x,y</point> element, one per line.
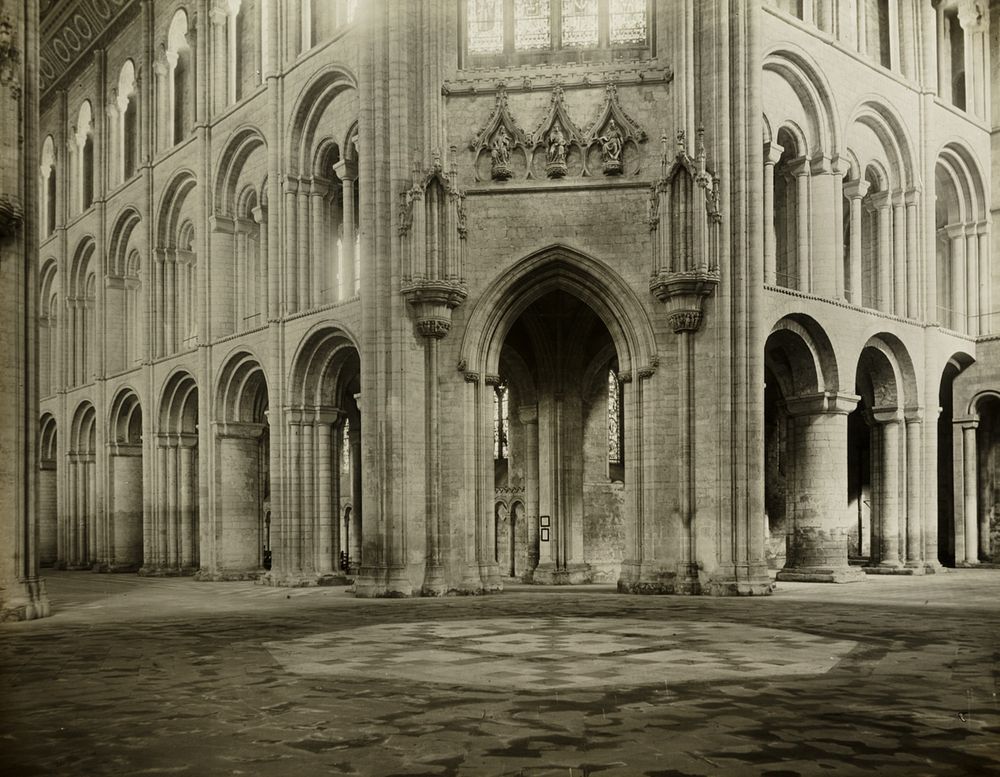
<point>627,21</point>
<point>532,28</point>
<point>501,422</point>
<point>614,419</point>
<point>485,26</point>
<point>579,23</point>
<point>345,448</point>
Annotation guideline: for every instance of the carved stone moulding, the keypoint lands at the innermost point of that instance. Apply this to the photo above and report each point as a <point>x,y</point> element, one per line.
<point>684,294</point>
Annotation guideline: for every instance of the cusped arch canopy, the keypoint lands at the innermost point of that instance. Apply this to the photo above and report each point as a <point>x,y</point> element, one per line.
<point>326,356</point>
<point>553,268</point>
<point>801,357</point>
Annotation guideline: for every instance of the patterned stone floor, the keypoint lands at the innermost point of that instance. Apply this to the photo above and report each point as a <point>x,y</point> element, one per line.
<point>151,677</point>
<point>558,652</point>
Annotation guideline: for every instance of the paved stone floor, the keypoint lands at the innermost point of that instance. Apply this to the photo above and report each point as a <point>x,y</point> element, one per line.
<point>131,676</point>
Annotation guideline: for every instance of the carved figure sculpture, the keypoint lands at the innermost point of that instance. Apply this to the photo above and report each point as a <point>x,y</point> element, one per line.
<point>500,155</point>
<point>556,152</point>
<point>611,149</point>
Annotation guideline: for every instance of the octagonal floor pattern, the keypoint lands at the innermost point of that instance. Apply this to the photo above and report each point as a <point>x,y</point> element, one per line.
<point>556,652</point>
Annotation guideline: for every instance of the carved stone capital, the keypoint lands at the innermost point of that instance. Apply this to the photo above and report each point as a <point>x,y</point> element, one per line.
<point>434,327</point>
<point>684,294</point>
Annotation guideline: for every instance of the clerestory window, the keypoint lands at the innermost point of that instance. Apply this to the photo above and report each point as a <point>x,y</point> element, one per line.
<point>529,31</point>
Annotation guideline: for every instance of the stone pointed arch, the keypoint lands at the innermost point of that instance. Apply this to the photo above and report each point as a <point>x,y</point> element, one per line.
<point>548,269</point>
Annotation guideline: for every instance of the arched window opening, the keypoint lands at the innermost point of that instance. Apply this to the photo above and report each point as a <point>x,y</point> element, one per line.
<point>877,27</point>
<point>132,317</point>
<point>180,79</point>
<point>501,422</point>
<point>84,151</point>
<point>127,125</point>
<point>533,30</point>
<point>248,263</point>
<point>786,212</point>
<point>186,285</point>
<point>793,7</point>
<point>616,422</point>
<point>48,308</point>
<point>956,45</point>
<point>47,193</point>
<point>246,57</point>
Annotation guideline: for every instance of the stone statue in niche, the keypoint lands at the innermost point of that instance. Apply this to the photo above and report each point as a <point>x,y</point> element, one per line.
<point>555,156</point>
<point>611,149</point>
<point>500,155</point>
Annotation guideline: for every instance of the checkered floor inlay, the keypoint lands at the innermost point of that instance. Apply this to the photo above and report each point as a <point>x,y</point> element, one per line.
<point>560,652</point>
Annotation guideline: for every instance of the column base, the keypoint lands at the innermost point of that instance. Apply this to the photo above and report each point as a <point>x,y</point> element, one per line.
<point>382,583</point>
<point>156,571</point>
<point>116,569</point>
<point>548,573</point>
<point>304,580</point>
<point>227,575</point>
<point>846,574</point>
<point>933,567</point>
<point>646,578</point>
<point>489,574</point>
<point>741,580</point>
<point>891,569</point>
<point>966,564</point>
<point>24,600</point>
<point>918,567</point>
<point>434,584</point>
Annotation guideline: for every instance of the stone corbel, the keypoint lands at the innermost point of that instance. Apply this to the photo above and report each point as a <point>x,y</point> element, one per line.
<point>684,294</point>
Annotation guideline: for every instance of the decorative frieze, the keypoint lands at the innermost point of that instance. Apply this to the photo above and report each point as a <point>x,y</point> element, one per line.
<point>557,145</point>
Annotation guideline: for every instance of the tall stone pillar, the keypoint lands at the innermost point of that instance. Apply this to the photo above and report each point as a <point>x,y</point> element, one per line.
<point>972,261</point>
<point>970,493</point>
<point>347,171</point>
<point>986,324</point>
<point>220,88</point>
<point>888,497</point>
<point>22,593</point>
<point>884,297</point>
<point>898,254</point>
<point>823,229</point>
<point>528,415</point>
<point>320,247</point>
<point>772,154</point>
<point>912,257</point>
<point>818,545</point>
<point>959,319</point>
<point>914,512</point>
<point>803,260</point>
<point>855,192</point>
<point>327,544</point>
<point>290,303</point>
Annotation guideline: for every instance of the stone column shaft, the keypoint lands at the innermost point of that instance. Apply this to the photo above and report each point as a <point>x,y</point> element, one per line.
<point>899,256</point>
<point>971,501</point>
<point>802,227</point>
<point>772,153</point>
<point>889,497</point>
<point>914,481</point>
<point>972,279</point>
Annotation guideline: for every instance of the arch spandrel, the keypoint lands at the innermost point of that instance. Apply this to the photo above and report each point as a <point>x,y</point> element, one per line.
<point>558,267</point>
